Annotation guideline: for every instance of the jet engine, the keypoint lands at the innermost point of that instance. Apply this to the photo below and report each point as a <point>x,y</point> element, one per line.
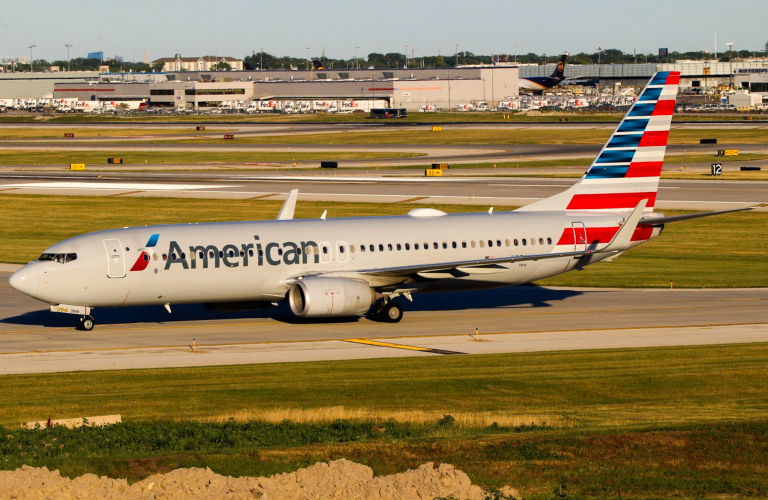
<point>328,297</point>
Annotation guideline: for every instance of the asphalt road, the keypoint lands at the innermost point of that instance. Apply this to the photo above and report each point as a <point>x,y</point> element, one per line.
<point>377,186</point>
<point>509,320</point>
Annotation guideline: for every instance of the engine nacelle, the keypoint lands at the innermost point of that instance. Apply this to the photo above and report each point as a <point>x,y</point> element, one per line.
<point>327,297</point>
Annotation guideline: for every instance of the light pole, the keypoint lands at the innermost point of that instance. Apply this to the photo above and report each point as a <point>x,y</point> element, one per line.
<point>31,68</point>
<point>457,55</point>
<point>261,59</point>
<point>67,46</point>
<point>599,54</point>
<point>406,56</point>
<point>357,64</point>
<point>307,57</point>
<point>730,60</point>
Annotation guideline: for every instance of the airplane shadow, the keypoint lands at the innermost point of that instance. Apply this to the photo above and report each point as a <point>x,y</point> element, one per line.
<point>510,297</point>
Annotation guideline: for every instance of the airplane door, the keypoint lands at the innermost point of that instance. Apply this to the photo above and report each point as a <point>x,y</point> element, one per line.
<point>115,259</point>
<point>326,252</point>
<point>579,237</point>
<point>341,251</point>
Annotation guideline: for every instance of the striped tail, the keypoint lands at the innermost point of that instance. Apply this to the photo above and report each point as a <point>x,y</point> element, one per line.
<point>628,168</point>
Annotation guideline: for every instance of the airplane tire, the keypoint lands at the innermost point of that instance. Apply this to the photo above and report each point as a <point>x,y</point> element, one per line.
<point>392,313</point>
<point>85,323</point>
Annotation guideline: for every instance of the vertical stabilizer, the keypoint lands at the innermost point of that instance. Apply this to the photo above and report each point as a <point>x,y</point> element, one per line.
<point>559,73</point>
<point>628,168</point>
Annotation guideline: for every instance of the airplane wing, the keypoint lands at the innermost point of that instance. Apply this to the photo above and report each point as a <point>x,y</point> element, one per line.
<point>619,243</point>
<point>289,207</point>
<point>659,221</point>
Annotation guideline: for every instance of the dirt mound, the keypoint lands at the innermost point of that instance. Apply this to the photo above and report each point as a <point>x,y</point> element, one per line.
<point>340,479</point>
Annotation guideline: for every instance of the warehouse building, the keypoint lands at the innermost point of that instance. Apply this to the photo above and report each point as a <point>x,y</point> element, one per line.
<point>403,88</point>
<point>40,85</point>
<point>693,74</point>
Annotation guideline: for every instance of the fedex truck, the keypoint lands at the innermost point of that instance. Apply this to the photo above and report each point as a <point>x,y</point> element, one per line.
<point>427,109</point>
<point>318,106</point>
<point>303,107</point>
<point>87,106</point>
<point>262,106</point>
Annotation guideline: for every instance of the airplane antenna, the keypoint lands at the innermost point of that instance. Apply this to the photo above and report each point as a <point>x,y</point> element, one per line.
<point>322,217</point>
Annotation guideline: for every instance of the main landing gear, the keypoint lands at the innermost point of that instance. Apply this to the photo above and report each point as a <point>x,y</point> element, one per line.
<point>387,311</point>
<point>85,323</point>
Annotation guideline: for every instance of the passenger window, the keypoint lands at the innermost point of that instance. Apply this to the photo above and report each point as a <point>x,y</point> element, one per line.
<point>399,247</point>
<point>261,253</point>
<point>146,257</point>
<point>515,241</point>
<point>242,253</point>
<point>415,246</point>
<point>173,255</point>
<point>506,242</point>
<point>231,254</point>
<point>154,257</point>
<point>389,246</point>
<point>473,243</point>
<point>341,249</point>
<point>435,246</point>
<point>453,244</point>
<point>165,256</point>
<point>298,251</point>
<point>211,254</point>
<point>482,244</point>
<point>541,241</point>
<point>498,243</point>
<point>426,246</point>
<point>250,252</point>
<point>533,241</point>
<point>463,244</point>
<point>407,246</point>
<point>490,243</point>
<point>381,247</point>
<point>221,253</point>
<point>325,251</point>
<point>362,248</point>
<point>371,248</point>
<point>351,248</point>
<point>524,242</point>
<point>549,241</point>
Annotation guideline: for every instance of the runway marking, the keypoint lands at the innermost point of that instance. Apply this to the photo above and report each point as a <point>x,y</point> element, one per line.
<point>511,312</point>
<point>229,344</point>
<point>415,199</point>
<point>263,196</point>
<point>126,193</point>
<point>113,186</point>
<point>9,189</point>
<point>402,346</point>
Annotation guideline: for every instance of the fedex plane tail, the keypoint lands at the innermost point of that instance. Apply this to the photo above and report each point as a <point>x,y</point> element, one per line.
<point>628,168</point>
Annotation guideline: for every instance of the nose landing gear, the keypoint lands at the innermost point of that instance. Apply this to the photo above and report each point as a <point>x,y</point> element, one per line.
<point>85,323</point>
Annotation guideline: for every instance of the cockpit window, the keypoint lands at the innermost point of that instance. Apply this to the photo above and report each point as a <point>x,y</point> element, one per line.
<point>61,258</point>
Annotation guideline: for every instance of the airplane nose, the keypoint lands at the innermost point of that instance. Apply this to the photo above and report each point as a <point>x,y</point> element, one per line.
<point>24,280</point>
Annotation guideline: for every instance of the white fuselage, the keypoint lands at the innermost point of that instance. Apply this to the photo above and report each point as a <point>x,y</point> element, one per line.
<point>258,261</point>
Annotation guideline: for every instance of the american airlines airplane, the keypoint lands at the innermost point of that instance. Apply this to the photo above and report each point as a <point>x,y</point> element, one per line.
<point>355,266</point>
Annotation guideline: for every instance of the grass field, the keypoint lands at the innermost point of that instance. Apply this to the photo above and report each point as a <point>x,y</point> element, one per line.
<point>20,157</point>
<point>9,134</point>
<point>683,254</point>
<point>682,422</point>
<point>482,136</point>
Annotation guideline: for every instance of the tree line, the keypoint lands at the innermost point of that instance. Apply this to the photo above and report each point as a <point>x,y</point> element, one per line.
<point>265,60</point>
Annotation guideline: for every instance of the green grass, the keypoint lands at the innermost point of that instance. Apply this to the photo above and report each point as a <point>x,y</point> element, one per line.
<point>479,136</point>
<point>92,158</point>
<point>682,422</point>
<point>683,253</point>
<point>8,134</point>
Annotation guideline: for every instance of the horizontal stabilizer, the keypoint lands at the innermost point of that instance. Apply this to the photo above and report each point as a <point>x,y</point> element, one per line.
<point>660,221</point>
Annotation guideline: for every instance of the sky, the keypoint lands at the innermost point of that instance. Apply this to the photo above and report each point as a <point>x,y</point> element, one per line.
<point>237,28</point>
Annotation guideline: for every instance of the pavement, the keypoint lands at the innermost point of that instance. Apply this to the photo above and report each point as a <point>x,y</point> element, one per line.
<point>516,319</point>
<point>373,186</point>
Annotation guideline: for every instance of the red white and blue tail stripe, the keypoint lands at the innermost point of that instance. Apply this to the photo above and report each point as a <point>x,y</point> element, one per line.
<point>628,168</point>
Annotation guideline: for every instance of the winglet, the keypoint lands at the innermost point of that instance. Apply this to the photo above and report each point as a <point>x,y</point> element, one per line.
<point>623,237</point>
<point>286,213</point>
<point>325,212</point>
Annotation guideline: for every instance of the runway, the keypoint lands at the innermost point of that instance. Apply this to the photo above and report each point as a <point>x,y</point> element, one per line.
<point>376,186</point>
<point>520,319</point>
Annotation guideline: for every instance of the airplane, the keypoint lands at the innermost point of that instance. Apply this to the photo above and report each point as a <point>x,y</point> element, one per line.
<point>357,266</point>
<point>316,64</point>
<point>541,83</point>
